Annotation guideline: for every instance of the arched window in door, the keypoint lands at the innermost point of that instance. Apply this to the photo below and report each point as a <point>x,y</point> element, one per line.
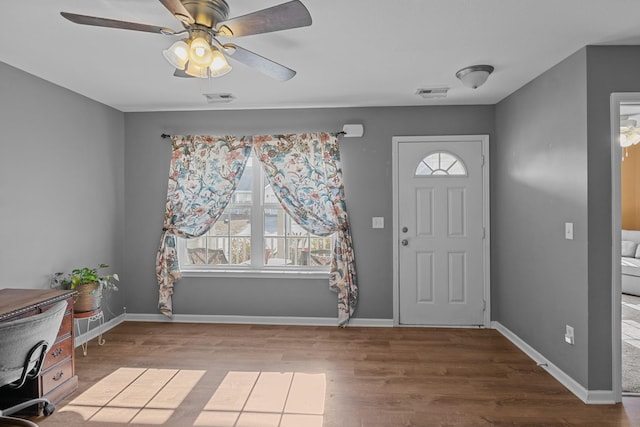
<point>441,163</point>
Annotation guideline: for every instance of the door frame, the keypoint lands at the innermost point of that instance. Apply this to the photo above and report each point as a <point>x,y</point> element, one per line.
<point>617,99</point>
<point>486,220</point>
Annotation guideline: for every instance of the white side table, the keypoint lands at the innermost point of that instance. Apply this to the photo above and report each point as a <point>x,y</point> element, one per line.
<point>90,316</point>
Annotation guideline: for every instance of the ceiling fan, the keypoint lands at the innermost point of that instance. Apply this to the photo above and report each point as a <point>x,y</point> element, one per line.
<point>199,53</point>
<point>629,132</point>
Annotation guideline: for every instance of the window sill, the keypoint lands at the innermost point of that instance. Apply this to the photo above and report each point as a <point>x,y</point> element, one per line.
<point>258,273</point>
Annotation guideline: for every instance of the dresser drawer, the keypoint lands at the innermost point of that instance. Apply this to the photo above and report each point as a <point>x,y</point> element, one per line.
<point>56,376</point>
<point>61,350</point>
<point>66,327</point>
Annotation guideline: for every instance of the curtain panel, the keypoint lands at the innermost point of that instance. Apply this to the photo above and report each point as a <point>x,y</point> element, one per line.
<point>305,175</point>
<point>203,175</point>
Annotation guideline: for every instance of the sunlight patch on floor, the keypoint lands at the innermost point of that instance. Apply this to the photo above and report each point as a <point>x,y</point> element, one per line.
<point>266,399</point>
<point>135,395</point>
<point>243,399</point>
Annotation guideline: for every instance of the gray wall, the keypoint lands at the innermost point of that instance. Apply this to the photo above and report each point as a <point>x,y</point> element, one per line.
<point>367,176</point>
<point>61,180</point>
<point>552,165</point>
<point>539,279</point>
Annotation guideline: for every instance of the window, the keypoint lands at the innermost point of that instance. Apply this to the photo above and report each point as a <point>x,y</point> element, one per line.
<point>441,163</point>
<point>255,232</point>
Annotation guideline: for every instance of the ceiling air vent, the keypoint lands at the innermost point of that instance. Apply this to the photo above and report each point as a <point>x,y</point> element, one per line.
<point>440,92</point>
<point>216,98</point>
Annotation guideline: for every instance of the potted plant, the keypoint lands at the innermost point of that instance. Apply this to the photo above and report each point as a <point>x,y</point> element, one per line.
<point>90,285</point>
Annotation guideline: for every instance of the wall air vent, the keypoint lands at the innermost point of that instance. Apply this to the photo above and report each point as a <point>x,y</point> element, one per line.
<point>440,92</point>
<point>216,98</point>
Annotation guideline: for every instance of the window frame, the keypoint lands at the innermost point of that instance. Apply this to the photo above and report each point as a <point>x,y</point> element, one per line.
<point>257,268</point>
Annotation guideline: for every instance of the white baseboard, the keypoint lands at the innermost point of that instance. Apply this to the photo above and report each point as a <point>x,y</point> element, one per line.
<point>256,320</point>
<point>250,320</point>
<point>587,396</point>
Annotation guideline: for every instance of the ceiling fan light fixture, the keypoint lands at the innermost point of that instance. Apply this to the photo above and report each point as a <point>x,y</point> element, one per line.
<point>624,142</point>
<point>475,75</point>
<point>629,132</point>
<point>200,52</point>
<point>196,70</point>
<point>177,54</point>
<point>219,66</point>
<point>627,139</point>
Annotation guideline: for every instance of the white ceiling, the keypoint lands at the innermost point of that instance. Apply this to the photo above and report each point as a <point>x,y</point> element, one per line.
<point>356,53</point>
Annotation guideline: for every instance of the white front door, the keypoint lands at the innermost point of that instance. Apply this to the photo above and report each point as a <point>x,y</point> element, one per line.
<point>442,220</point>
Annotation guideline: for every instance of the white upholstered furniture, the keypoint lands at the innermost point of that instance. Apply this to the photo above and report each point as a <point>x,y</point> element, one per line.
<point>631,262</point>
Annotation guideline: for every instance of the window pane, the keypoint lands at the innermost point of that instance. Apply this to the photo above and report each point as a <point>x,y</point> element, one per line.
<point>287,244</point>
<point>243,190</point>
<point>422,169</point>
<point>442,164</point>
<point>227,242</point>
<point>432,161</point>
<point>238,236</point>
<point>319,252</point>
<point>269,196</point>
<point>240,250</point>
<point>446,160</point>
<point>457,169</point>
<point>298,249</point>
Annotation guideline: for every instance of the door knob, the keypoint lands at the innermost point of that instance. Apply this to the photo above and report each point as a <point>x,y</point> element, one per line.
<point>404,242</point>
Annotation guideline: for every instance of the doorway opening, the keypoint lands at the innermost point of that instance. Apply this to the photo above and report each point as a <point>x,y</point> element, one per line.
<point>625,166</point>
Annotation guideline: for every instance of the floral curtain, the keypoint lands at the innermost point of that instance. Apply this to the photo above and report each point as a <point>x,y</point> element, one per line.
<point>305,175</point>
<point>203,175</point>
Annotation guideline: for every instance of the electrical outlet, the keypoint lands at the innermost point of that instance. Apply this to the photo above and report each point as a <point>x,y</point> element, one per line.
<point>568,335</point>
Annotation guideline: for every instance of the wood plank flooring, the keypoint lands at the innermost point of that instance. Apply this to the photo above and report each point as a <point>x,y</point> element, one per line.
<point>368,377</point>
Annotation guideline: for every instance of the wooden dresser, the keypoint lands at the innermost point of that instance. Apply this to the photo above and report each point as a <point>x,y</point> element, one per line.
<point>57,379</point>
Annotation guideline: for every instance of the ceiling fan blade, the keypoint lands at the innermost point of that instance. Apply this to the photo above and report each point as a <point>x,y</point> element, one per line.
<point>112,23</point>
<point>285,16</point>
<point>178,10</point>
<point>260,63</point>
<point>181,73</point>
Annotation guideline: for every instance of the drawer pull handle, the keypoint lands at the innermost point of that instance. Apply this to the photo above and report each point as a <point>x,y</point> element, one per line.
<point>57,376</point>
<point>57,352</point>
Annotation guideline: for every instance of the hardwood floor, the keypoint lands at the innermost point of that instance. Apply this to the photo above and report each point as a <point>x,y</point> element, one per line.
<point>357,377</point>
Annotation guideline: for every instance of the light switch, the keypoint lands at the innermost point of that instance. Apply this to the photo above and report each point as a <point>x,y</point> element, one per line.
<point>568,230</point>
<point>569,336</point>
<point>377,222</point>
